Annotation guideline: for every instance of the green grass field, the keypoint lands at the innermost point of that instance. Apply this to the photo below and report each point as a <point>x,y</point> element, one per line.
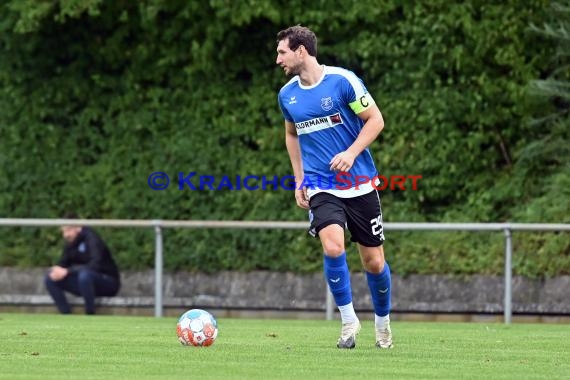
<point>49,346</point>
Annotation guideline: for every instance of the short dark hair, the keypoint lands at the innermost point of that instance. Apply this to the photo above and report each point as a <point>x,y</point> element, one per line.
<point>70,215</point>
<point>299,35</point>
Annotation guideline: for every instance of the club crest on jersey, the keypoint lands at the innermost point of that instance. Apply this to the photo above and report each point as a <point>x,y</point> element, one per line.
<point>327,103</point>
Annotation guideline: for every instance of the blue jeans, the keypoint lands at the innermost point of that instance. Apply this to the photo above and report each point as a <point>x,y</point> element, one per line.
<point>83,283</point>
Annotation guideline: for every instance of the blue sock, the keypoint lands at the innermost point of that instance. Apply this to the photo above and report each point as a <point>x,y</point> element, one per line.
<point>338,278</point>
<point>380,286</point>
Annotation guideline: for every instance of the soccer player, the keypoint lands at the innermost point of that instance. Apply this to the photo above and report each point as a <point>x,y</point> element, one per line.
<point>86,268</point>
<point>330,120</point>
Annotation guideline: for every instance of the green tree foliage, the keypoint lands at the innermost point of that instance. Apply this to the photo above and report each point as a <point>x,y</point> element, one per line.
<point>97,95</point>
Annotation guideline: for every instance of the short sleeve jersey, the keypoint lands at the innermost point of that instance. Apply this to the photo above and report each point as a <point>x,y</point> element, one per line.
<point>325,117</point>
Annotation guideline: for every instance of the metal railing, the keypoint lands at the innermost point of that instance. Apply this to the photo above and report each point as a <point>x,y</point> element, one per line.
<point>158,225</point>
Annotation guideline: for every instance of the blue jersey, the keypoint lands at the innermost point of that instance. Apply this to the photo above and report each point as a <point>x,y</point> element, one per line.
<point>325,117</point>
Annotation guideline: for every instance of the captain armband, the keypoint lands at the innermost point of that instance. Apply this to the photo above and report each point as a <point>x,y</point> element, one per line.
<point>362,103</point>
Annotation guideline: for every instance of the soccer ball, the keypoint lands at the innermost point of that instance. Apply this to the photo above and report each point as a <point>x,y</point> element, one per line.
<point>197,327</point>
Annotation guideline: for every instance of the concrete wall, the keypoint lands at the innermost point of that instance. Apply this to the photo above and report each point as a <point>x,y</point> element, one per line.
<point>287,292</point>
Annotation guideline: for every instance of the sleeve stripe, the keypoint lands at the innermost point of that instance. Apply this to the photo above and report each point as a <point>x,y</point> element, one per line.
<point>356,84</point>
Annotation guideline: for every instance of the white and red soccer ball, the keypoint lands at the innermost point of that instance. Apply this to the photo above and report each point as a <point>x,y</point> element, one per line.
<point>197,327</point>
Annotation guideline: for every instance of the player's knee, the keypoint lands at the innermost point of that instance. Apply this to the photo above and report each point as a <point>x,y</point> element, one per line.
<point>374,264</point>
<point>333,248</point>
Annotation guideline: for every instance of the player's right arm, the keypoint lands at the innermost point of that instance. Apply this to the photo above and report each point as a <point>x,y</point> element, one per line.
<point>294,150</point>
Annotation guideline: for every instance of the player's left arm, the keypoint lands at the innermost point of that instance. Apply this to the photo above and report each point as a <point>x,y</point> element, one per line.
<point>367,111</point>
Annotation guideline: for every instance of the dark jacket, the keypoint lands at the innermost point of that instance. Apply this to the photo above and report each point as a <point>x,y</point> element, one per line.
<point>88,250</point>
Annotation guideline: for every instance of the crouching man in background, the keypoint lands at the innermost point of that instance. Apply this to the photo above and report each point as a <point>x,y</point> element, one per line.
<point>86,269</point>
